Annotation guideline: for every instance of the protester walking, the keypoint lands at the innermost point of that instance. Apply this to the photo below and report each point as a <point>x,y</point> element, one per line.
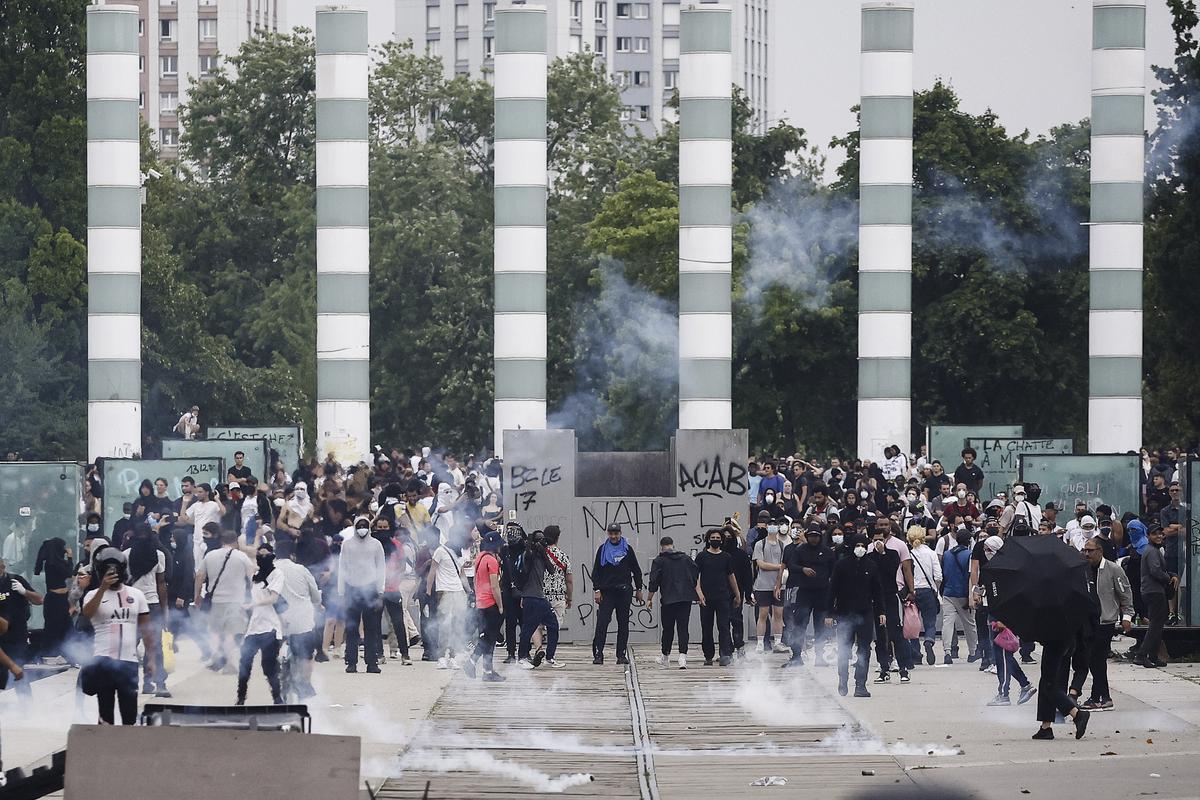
<point>119,616</point>
<point>855,604</point>
<point>718,592</point>
<point>956,568</point>
<point>222,583</point>
<point>615,569</point>
<point>1110,588</point>
<point>1157,585</point>
<point>673,575</point>
<point>362,573</point>
<point>809,568</point>
<point>489,600</point>
<point>264,630</point>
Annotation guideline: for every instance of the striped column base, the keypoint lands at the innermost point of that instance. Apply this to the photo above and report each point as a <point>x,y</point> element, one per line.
<point>1114,424</point>
<point>344,429</point>
<point>705,415</point>
<point>113,428</point>
<point>883,422</point>
<point>511,415</point>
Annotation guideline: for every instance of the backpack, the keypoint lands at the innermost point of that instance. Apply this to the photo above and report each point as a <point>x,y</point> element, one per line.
<point>520,571</point>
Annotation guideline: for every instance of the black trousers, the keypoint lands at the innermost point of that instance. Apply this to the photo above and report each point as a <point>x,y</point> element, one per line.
<point>854,631</point>
<point>675,619</point>
<point>1098,661</point>
<point>1080,659</point>
<point>393,604</point>
<point>1052,686</point>
<point>485,645</point>
<point>512,619</point>
<point>363,604</point>
<point>427,622</point>
<point>116,683</point>
<point>1156,613</point>
<point>618,601</point>
<point>268,644</point>
<point>810,605</point>
<point>890,637</point>
<point>718,612</point>
<point>58,622</point>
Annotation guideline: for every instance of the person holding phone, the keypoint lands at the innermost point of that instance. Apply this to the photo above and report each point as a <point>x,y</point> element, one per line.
<point>119,615</point>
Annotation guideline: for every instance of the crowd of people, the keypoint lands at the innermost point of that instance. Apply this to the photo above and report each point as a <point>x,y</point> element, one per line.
<point>365,562</point>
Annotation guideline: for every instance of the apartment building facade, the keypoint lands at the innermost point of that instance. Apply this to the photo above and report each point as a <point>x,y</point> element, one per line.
<point>638,40</point>
<point>181,40</point>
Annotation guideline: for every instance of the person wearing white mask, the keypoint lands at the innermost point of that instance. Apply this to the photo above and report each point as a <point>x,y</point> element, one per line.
<point>855,605</point>
<point>1020,509</point>
<point>362,572</point>
<point>1078,536</point>
<point>294,511</point>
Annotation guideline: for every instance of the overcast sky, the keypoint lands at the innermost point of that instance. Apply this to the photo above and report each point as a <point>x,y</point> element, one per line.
<point>1027,60</point>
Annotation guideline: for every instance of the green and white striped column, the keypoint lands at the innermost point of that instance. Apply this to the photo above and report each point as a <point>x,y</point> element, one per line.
<point>114,233</point>
<point>705,216</point>
<point>343,241</point>
<point>520,220</point>
<point>885,229</point>
<point>1115,264</point>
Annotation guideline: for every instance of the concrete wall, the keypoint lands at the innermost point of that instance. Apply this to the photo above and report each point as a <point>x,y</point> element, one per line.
<point>707,482</point>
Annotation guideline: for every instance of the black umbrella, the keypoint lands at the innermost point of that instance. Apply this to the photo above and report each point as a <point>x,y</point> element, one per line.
<point>1038,586</point>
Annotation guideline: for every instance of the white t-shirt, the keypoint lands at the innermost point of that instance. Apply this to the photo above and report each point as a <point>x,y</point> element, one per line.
<point>231,588</point>
<point>116,622</point>
<point>203,513</point>
<point>296,585</point>
<point>249,509</point>
<point>263,616</point>
<point>447,578</point>
<point>148,583</point>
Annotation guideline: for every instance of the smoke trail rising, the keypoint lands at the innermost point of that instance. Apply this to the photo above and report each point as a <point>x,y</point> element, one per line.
<point>487,764</point>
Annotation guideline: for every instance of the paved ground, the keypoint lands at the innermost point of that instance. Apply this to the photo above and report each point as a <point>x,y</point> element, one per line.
<point>708,731</point>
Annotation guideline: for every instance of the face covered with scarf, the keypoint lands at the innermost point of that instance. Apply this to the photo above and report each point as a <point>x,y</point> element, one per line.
<point>300,502</point>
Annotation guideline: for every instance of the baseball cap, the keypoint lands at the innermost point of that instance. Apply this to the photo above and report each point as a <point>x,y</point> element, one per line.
<point>491,540</point>
<point>764,515</point>
<point>613,527</point>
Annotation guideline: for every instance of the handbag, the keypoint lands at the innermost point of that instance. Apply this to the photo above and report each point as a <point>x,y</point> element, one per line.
<point>912,621</point>
<point>206,601</point>
<point>1007,641</point>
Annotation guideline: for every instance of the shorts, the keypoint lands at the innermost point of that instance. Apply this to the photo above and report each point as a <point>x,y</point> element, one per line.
<point>766,598</point>
<point>227,619</point>
<point>559,607</point>
<point>302,646</point>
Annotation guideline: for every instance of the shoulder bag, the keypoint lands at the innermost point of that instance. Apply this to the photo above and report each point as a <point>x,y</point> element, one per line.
<point>206,601</point>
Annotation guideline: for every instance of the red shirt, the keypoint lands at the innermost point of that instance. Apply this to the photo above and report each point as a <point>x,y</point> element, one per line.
<point>487,566</point>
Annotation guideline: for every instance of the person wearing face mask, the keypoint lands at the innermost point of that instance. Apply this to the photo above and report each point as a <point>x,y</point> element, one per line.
<point>855,604</point>
<point>1021,509</point>
<point>293,512</point>
<point>224,577</point>
<point>768,601</point>
<point>809,567</point>
<point>122,527</point>
<point>264,631</point>
<point>956,611</point>
<point>361,576</point>
<point>717,589</point>
<point>198,510</point>
<point>743,570</point>
<point>759,531</point>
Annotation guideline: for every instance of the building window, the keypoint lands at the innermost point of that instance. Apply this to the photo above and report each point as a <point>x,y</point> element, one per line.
<point>208,30</point>
<point>601,45</point>
<point>601,13</point>
<point>208,65</point>
<point>168,102</point>
<point>489,13</point>
<point>433,47</point>
<point>167,29</point>
<point>460,16</point>
<point>643,113</point>
<point>575,44</point>
<point>641,78</point>
<point>624,44</point>
<point>577,10</point>
<point>489,47</point>
<point>641,11</point>
<point>641,44</point>
<point>622,77</point>
<point>626,113</point>
<point>141,63</point>
<point>433,17</point>
<point>208,2</point>
<point>170,66</point>
<point>141,27</point>
<point>670,49</point>
<point>168,137</point>
<point>671,79</point>
<point>460,49</point>
<point>624,10</point>
<point>670,14</point>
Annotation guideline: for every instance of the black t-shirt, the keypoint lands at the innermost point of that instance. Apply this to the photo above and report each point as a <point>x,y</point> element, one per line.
<point>715,569</point>
<point>934,483</point>
<point>972,476</point>
<point>241,473</point>
<point>977,553</point>
<point>14,608</point>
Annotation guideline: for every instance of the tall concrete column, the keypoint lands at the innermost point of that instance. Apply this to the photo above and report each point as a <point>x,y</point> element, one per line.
<point>520,221</point>
<point>705,217</point>
<point>114,233</point>
<point>885,230</point>
<point>1115,264</point>
<point>343,240</point>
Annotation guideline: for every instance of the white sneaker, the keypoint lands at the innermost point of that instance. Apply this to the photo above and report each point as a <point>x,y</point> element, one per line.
<point>991,669</point>
<point>682,661</point>
<point>781,648</point>
<point>443,663</point>
<point>758,648</point>
<point>525,663</point>
<point>555,663</point>
<point>395,653</point>
<point>661,660</point>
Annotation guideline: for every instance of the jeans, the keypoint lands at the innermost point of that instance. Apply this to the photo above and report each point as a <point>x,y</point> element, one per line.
<point>985,634</point>
<point>393,604</point>
<point>853,630</point>
<point>116,686</point>
<point>363,603</point>
<point>927,604</point>
<point>536,611</point>
<point>953,609</point>
<point>611,600</point>
<point>718,611</point>
<point>675,619</point>
<point>512,619</point>
<point>485,645</point>
<point>1156,612</point>
<point>1052,691</point>
<point>154,656</point>
<point>1098,661</point>
<point>1007,668</point>
<point>269,645</point>
<point>810,605</point>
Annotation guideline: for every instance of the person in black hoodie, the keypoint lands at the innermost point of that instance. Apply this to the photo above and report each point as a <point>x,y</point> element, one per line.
<point>809,566</point>
<point>513,546</point>
<point>887,562</point>
<point>743,570</point>
<point>54,559</point>
<point>718,591</point>
<point>616,566</point>
<point>675,575</point>
<point>855,605</point>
